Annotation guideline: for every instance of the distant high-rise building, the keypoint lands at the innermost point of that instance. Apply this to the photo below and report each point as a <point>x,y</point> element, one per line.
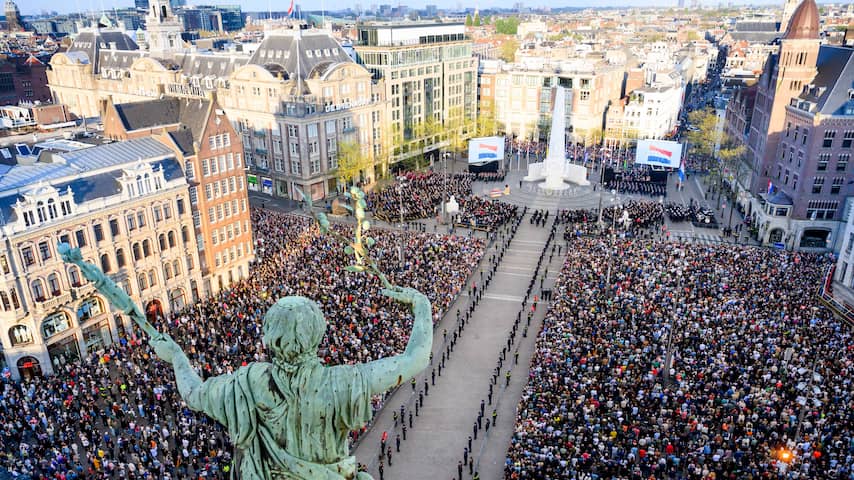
<point>13,16</point>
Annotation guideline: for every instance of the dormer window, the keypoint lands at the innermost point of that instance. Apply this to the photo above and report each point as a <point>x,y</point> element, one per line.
<point>142,179</point>
<point>39,205</point>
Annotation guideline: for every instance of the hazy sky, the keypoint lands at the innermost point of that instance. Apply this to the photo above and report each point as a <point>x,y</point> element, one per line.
<point>31,7</point>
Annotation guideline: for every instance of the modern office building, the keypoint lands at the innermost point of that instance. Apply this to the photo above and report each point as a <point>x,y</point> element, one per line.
<point>430,79</point>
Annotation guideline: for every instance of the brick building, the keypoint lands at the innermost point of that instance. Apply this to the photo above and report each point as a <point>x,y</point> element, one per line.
<point>212,157</point>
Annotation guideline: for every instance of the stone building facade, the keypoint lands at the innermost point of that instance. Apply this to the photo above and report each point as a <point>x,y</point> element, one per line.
<point>127,207</point>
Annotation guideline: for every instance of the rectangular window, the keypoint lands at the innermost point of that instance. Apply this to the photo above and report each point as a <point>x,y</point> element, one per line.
<point>817,184</point>
<point>44,251</point>
<point>208,191</point>
<point>312,130</point>
<point>180,204</point>
<point>836,186</point>
<point>823,160</point>
<point>848,139</point>
<point>98,230</point>
<point>213,165</point>
<point>212,142</point>
<point>211,215</point>
<point>167,211</point>
<point>140,219</point>
<point>829,135</point>
<point>190,170</point>
<point>205,169</point>
<point>80,236</point>
<point>4,263</point>
<point>158,214</point>
<point>131,221</point>
<point>114,227</point>
<point>27,256</point>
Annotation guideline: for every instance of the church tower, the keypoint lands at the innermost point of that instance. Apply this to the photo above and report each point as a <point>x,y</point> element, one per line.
<point>788,10</point>
<point>164,29</point>
<point>787,73</point>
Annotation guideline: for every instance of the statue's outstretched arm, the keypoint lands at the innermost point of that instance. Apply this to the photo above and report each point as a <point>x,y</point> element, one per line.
<point>392,371</point>
<point>165,348</point>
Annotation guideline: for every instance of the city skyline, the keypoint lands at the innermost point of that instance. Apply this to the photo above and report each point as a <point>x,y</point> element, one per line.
<point>40,7</point>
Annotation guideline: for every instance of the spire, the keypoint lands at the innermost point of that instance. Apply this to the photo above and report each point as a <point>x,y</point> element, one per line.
<point>804,24</point>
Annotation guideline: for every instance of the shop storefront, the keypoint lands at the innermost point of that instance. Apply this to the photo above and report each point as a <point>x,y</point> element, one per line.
<point>317,192</point>
<point>29,368</point>
<point>282,189</point>
<point>252,181</point>
<point>97,337</point>
<point>63,351</point>
<point>267,185</point>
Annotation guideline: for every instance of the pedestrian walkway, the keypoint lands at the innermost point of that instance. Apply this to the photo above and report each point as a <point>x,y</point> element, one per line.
<point>439,433</point>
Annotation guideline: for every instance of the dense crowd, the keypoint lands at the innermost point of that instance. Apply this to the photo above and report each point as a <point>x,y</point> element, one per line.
<point>485,214</point>
<point>745,341</point>
<point>421,192</point>
<point>117,413</point>
<point>635,218</point>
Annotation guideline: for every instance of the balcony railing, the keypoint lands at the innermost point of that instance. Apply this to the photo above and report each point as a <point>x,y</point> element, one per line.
<point>51,304</point>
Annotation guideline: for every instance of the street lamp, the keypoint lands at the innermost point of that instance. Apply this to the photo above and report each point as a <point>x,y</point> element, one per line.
<point>401,182</point>
<point>668,360</point>
<point>445,157</point>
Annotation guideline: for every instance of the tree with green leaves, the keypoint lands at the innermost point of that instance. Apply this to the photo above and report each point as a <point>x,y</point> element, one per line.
<point>704,138</point>
<point>468,20</point>
<point>476,20</point>
<point>351,161</point>
<point>507,26</point>
<point>508,50</point>
<point>486,123</point>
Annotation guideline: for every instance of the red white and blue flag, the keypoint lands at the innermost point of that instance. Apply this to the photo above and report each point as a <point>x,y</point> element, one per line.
<point>291,8</point>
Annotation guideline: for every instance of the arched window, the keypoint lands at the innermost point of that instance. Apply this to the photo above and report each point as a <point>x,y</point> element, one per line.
<point>167,271</point>
<point>105,263</point>
<point>53,284</point>
<point>38,290</point>
<point>55,323</point>
<point>163,11</point>
<point>4,301</point>
<point>120,258</point>
<point>74,276</point>
<point>51,208</point>
<point>152,278</point>
<point>161,239</point>
<point>142,281</point>
<point>171,237</point>
<point>90,308</point>
<point>20,335</point>
<point>137,252</point>
<point>185,234</point>
<point>139,185</point>
<point>146,247</point>
<point>176,267</point>
<point>147,183</point>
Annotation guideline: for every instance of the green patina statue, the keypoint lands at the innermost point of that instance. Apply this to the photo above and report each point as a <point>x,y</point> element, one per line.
<point>289,419</point>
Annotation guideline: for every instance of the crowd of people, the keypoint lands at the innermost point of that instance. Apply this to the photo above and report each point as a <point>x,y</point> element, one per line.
<point>634,187</point>
<point>117,414</point>
<point>484,214</point>
<point>741,400</point>
<point>418,196</point>
<point>636,218</point>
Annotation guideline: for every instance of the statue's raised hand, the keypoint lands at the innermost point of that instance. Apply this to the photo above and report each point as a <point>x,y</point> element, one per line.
<point>165,348</point>
<point>403,294</point>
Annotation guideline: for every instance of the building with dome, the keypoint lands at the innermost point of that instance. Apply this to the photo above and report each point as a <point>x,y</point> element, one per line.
<point>292,101</point>
<point>801,138</point>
